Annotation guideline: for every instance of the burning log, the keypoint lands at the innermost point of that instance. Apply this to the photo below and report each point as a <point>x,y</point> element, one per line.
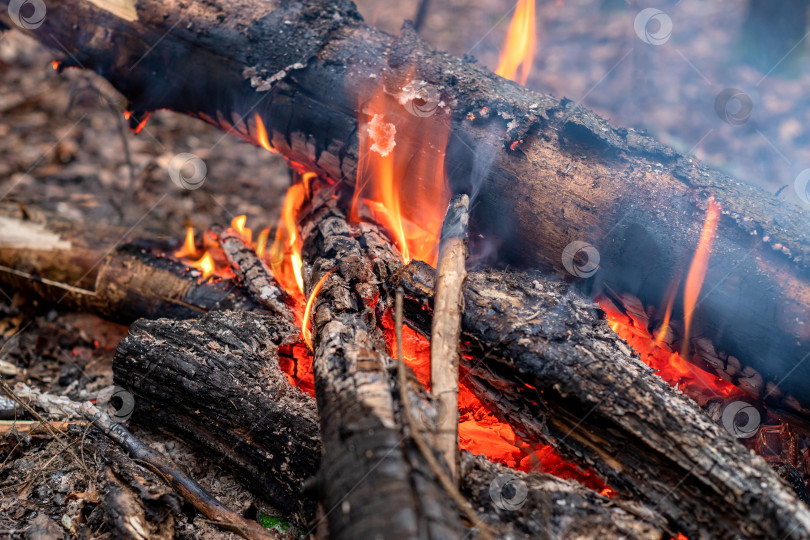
<point>546,173</point>
<point>374,482</point>
<point>86,266</point>
<point>253,272</point>
<point>541,359</point>
<point>269,436</point>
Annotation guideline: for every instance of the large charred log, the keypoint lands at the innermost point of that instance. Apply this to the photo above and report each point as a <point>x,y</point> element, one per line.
<point>216,383</point>
<point>553,173</point>
<point>542,359</point>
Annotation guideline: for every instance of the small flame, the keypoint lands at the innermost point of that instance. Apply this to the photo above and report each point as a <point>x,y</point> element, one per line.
<point>518,51</point>
<point>261,242</point>
<point>238,224</point>
<point>206,265</point>
<point>285,254</point>
<point>400,176</point>
<point>261,134</point>
<point>305,331</point>
<point>189,249</point>
<point>697,270</point>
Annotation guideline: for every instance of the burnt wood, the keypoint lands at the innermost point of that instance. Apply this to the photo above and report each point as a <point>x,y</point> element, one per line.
<point>547,172</point>
<point>215,382</point>
<point>179,389</point>
<point>543,361</point>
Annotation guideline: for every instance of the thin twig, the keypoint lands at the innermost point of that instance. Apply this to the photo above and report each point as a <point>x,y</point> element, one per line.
<point>445,480</point>
<point>448,304</point>
<point>186,486</point>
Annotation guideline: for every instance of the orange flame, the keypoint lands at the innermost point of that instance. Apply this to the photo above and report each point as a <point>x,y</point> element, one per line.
<point>518,51</point>
<point>285,254</point>
<point>188,249</point>
<point>206,265</point>
<point>697,270</point>
<point>305,331</point>
<point>261,242</point>
<point>400,176</point>
<point>238,224</point>
<point>261,134</point>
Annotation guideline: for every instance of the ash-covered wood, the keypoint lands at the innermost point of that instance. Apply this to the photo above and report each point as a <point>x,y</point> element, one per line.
<point>546,172</point>
<point>545,363</point>
<point>373,481</point>
<point>215,382</point>
<point>254,273</point>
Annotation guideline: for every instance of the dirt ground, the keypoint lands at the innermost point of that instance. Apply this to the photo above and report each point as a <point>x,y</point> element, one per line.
<point>65,147</point>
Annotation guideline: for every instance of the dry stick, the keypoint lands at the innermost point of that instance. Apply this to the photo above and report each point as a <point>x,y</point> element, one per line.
<point>447,483</point>
<point>45,423</point>
<point>446,328</point>
<point>32,426</point>
<point>186,486</point>
<point>254,273</point>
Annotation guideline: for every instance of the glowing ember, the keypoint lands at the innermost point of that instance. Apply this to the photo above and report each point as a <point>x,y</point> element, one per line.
<point>400,175</point>
<point>480,431</point>
<point>697,271</point>
<point>189,249</point>
<point>305,331</point>
<point>518,51</point>
<point>285,254</point>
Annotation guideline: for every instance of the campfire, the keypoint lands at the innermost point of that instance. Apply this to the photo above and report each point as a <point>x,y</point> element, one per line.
<point>479,312</point>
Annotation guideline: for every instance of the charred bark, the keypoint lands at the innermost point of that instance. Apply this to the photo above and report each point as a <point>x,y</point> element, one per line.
<point>216,383</point>
<point>373,480</point>
<point>546,173</point>
<point>545,363</point>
